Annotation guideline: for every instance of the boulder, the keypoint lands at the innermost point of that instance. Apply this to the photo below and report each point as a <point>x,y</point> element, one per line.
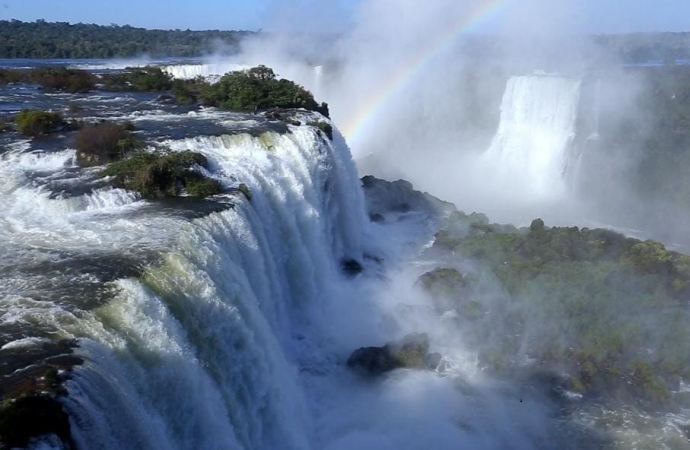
<point>351,266</point>
<point>411,352</point>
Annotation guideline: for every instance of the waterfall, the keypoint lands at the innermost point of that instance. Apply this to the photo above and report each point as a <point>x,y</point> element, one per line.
<point>189,71</point>
<point>529,154</point>
<point>597,111</point>
<point>200,349</point>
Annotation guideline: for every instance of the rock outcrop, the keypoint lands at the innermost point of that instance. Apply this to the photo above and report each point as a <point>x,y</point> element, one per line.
<point>411,352</point>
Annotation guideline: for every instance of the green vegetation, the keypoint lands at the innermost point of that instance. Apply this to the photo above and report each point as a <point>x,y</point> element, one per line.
<point>52,79</point>
<point>162,174</point>
<point>258,88</point>
<point>142,79</point>
<point>104,142</point>
<point>326,128</point>
<point>411,352</point>
<point>34,122</point>
<point>187,92</point>
<point>244,189</point>
<point>609,310</point>
<point>43,39</point>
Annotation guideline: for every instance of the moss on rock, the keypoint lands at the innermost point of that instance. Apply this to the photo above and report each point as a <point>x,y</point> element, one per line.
<point>163,174</point>
<point>411,352</point>
<point>105,142</point>
<point>34,122</point>
<point>325,127</point>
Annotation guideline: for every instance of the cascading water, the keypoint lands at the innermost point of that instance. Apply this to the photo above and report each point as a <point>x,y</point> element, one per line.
<point>190,71</point>
<point>530,153</point>
<point>597,111</point>
<point>198,350</point>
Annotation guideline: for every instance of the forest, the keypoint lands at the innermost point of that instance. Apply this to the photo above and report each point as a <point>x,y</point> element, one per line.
<point>43,39</point>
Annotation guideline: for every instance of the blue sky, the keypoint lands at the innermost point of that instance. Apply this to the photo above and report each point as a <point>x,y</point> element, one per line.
<point>576,15</point>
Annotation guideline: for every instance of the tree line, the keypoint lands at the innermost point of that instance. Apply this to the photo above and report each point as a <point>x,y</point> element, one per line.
<point>41,39</point>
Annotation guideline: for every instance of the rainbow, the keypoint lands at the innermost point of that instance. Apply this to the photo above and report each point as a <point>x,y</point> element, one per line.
<point>483,11</point>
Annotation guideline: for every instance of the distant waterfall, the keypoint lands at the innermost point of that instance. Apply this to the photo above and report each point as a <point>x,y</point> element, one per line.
<point>189,71</point>
<point>529,154</point>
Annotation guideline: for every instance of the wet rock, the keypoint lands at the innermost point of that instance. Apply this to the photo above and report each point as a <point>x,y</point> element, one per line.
<point>165,98</point>
<point>411,352</point>
<point>351,266</point>
<point>400,197</point>
<point>31,385</point>
<point>377,218</point>
<point>244,189</point>
<point>27,418</point>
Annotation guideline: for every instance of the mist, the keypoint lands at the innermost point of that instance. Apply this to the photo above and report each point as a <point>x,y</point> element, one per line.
<point>418,101</point>
<point>519,119</point>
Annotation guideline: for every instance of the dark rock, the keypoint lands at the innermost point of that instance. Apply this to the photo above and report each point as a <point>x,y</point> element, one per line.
<point>244,189</point>
<point>377,218</point>
<point>402,207</point>
<point>537,225</point>
<point>274,113</point>
<point>165,98</point>
<point>351,266</point>
<point>31,386</point>
<point>31,417</point>
<point>369,181</point>
<point>372,360</point>
<point>400,197</point>
<point>410,352</point>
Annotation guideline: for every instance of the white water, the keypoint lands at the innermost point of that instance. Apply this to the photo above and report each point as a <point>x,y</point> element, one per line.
<point>310,76</point>
<point>237,337</point>
<point>201,352</point>
<point>530,152</point>
<point>214,70</point>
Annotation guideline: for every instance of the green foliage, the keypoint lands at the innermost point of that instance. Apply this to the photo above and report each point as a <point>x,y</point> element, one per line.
<point>442,281</point>
<point>325,127</point>
<point>200,186</point>
<point>43,39</point>
<point>187,92</point>
<point>649,257</point>
<point>160,174</point>
<point>609,309</point>
<point>138,79</point>
<point>182,95</point>
<point>34,122</point>
<point>258,88</point>
<point>244,189</point>
<point>53,79</point>
<point>104,142</point>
